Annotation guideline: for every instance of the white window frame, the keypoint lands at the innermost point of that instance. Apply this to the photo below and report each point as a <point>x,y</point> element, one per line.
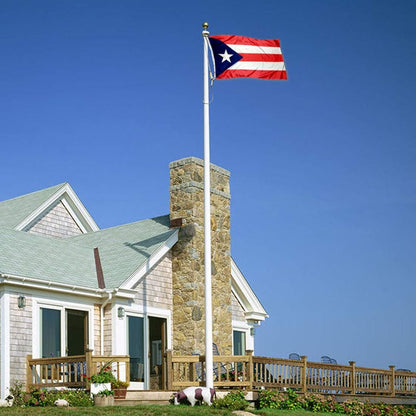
<point>62,306</point>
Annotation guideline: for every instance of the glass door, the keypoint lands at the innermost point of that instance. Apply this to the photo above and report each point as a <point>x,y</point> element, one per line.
<point>50,332</point>
<point>157,348</point>
<point>135,336</point>
<point>76,332</point>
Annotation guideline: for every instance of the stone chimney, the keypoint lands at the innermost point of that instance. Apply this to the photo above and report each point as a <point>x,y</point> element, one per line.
<point>187,202</point>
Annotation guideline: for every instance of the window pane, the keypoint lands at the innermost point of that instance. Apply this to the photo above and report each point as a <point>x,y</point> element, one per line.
<point>136,348</point>
<point>239,342</point>
<point>51,332</point>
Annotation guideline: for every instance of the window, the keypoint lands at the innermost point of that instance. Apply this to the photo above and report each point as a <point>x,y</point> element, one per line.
<point>136,348</point>
<point>50,332</point>
<point>239,342</point>
<point>63,332</point>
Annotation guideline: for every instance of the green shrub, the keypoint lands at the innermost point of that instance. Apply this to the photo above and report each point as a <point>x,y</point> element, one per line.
<point>42,398</point>
<point>268,399</point>
<point>16,389</point>
<point>232,401</point>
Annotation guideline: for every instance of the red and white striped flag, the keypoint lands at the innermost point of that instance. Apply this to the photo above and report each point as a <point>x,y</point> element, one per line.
<point>241,56</point>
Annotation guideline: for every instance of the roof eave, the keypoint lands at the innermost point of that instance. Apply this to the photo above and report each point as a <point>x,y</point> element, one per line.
<point>74,206</point>
<point>28,282</point>
<point>253,309</point>
<point>145,268</point>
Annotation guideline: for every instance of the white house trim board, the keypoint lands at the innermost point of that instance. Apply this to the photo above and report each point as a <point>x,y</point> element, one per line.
<point>77,210</point>
<point>62,305</point>
<point>50,286</point>
<point>252,307</point>
<point>134,279</point>
<point>246,328</point>
<point>5,343</point>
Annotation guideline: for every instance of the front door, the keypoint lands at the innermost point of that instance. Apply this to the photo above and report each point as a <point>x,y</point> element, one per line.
<point>157,348</point>
<point>50,332</point>
<point>135,336</point>
<point>146,338</point>
<point>76,332</point>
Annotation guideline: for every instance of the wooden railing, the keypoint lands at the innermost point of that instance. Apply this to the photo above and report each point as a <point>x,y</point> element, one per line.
<point>232,371</point>
<point>73,371</point>
<point>250,372</point>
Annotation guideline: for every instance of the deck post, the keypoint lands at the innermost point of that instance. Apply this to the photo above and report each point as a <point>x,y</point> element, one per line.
<point>29,372</point>
<point>250,368</point>
<point>353,379</point>
<point>304,372</point>
<point>88,368</point>
<point>169,372</point>
<point>392,377</point>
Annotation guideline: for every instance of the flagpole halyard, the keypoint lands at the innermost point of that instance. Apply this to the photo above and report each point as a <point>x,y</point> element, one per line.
<point>209,367</point>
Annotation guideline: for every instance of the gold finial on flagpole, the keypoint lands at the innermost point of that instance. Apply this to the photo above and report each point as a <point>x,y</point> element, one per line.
<point>205,32</point>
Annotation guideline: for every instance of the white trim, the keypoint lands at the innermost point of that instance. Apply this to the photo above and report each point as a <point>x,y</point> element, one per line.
<point>140,311</point>
<point>61,305</point>
<point>80,214</point>
<point>5,344</point>
<point>246,328</point>
<point>46,285</point>
<point>151,262</point>
<point>253,309</point>
<point>74,216</point>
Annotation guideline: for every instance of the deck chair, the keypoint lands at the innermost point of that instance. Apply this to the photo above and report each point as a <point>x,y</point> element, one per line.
<point>223,369</point>
<point>295,373</point>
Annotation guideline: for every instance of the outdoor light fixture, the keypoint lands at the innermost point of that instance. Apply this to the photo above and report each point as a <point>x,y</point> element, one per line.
<point>21,301</point>
<point>121,312</point>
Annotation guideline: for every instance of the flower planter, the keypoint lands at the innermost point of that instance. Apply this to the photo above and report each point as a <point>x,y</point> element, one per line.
<point>99,387</point>
<point>120,393</point>
<point>103,400</point>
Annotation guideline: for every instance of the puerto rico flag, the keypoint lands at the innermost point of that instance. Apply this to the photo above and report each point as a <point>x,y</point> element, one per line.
<point>240,56</point>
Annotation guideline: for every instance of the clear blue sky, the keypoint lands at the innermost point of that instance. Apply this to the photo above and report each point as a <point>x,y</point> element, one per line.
<point>105,93</point>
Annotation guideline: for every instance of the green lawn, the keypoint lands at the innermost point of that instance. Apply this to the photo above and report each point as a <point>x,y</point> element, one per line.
<point>147,411</point>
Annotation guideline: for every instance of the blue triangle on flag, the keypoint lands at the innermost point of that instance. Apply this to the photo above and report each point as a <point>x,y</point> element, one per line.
<point>224,56</point>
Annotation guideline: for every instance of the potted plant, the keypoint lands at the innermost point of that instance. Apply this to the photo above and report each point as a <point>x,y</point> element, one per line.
<point>120,389</point>
<point>104,398</point>
<point>102,380</point>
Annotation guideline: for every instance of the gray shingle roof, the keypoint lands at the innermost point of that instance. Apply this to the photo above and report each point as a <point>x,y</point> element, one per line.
<point>123,249</point>
<point>14,211</point>
<point>54,260</point>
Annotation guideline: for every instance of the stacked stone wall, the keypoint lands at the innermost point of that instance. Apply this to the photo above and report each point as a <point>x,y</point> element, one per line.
<point>187,202</point>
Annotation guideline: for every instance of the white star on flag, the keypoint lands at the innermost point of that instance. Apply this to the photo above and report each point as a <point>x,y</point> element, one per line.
<point>226,56</point>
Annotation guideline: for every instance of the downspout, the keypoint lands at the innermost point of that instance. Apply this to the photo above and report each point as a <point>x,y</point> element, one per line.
<point>110,296</point>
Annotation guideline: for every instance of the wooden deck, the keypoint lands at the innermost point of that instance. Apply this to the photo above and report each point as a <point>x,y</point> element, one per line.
<point>245,372</point>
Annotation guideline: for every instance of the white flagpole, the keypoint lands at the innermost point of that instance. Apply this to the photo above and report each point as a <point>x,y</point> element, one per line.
<point>209,367</point>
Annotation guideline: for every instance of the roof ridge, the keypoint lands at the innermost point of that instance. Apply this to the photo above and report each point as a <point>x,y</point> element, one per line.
<point>58,186</point>
<point>117,226</point>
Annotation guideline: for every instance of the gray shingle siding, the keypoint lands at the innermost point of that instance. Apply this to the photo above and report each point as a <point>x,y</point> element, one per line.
<point>57,222</point>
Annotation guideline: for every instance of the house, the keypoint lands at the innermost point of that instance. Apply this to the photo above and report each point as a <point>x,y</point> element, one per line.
<point>66,286</point>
